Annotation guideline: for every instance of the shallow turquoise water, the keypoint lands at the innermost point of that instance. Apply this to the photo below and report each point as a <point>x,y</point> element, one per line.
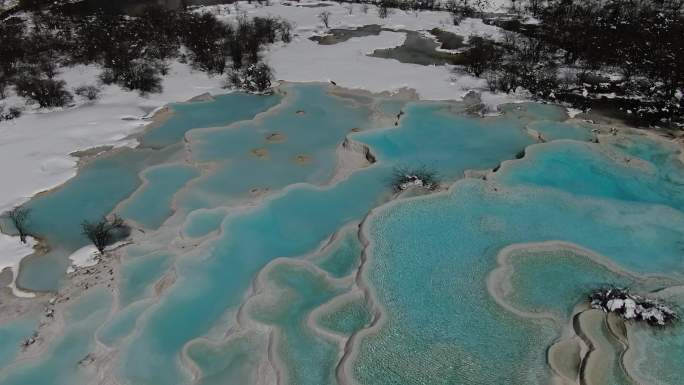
<point>233,362</point>
<point>432,136</point>
<point>440,298</point>
<point>430,255</point>
<point>311,124</point>
<point>57,217</point>
<point>310,359</point>
<point>293,224</point>
<point>579,168</point>
<point>222,111</point>
<point>153,203</point>
<point>556,281</point>
<point>342,257</point>
<point>12,334</point>
<point>346,317</point>
<point>137,275</point>
<point>202,222</point>
<point>659,354</point>
<point>286,226</point>
<point>60,364</point>
<point>100,185</point>
<point>122,324</point>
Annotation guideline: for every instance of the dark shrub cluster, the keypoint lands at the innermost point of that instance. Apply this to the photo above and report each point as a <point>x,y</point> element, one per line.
<point>11,113</point>
<point>640,40</point>
<point>19,217</point>
<point>105,232</point>
<point>88,92</point>
<point>131,50</point>
<point>46,92</point>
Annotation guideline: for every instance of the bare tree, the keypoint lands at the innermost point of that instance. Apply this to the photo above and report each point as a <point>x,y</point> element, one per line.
<point>350,8</point>
<point>384,9</point>
<point>364,7</point>
<point>483,55</point>
<point>324,17</point>
<point>88,92</point>
<point>19,217</point>
<point>105,231</point>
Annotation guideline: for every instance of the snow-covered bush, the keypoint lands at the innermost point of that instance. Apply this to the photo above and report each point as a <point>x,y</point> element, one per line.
<point>403,179</point>
<point>255,78</point>
<point>632,307</point>
<point>11,113</point>
<point>138,75</point>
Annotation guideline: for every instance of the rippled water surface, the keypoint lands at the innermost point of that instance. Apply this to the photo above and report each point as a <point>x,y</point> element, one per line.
<point>268,246</point>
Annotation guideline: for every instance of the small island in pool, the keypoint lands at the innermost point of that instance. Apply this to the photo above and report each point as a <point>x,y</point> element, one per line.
<point>423,226</point>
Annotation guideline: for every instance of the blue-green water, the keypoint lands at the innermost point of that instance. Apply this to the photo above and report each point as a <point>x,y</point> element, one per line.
<point>152,205</point>
<point>658,353</point>
<point>343,256</point>
<point>225,280</point>
<point>311,124</point>
<point>557,280</point>
<point>234,362</point>
<point>202,222</point>
<point>138,273</point>
<point>222,111</point>
<point>60,363</point>
<point>309,359</point>
<point>346,317</point>
<point>57,217</point>
<point>122,324</point>
<point>12,334</point>
<point>432,136</point>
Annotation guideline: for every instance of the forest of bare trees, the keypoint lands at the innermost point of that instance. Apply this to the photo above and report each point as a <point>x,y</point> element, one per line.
<point>133,52</point>
<point>581,51</point>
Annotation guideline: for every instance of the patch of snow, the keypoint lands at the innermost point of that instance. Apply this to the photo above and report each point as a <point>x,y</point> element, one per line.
<point>615,304</point>
<point>630,308</point>
<point>88,256</point>
<point>12,251</point>
<point>610,95</point>
<point>413,180</point>
<point>531,20</point>
<point>84,257</point>
<point>572,112</point>
<point>348,63</point>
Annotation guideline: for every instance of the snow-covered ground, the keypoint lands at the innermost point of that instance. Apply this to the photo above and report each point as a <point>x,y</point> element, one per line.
<point>35,148</point>
<point>83,257</point>
<point>11,253</point>
<point>348,64</point>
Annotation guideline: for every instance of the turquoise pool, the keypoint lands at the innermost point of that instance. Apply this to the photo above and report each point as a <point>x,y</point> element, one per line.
<point>259,254</point>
